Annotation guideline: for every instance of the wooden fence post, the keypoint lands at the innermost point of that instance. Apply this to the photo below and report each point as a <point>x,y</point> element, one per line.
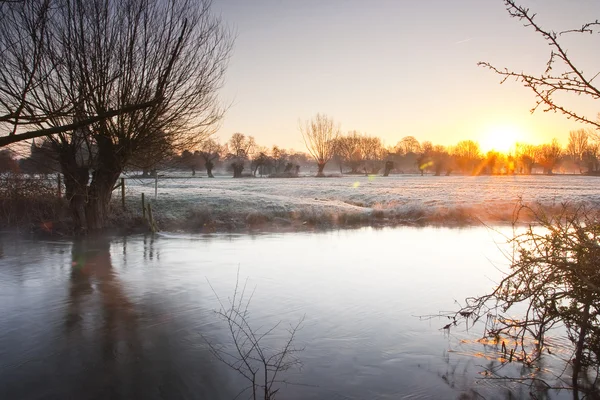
<point>123,192</point>
<point>143,206</point>
<point>155,185</point>
<point>151,219</point>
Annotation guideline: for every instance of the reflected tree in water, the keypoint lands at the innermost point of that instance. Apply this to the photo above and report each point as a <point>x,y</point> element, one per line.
<point>125,346</point>
<point>115,327</point>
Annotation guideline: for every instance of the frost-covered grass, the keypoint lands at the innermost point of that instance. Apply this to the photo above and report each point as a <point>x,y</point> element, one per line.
<point>226,203</point>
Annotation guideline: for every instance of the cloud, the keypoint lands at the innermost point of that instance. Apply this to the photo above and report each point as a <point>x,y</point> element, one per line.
<point>464,41</point>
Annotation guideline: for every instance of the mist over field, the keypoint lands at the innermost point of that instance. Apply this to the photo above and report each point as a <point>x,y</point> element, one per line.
<point>224,203</point>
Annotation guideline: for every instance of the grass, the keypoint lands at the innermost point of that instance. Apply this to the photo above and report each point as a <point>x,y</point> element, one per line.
<point>31,203</point>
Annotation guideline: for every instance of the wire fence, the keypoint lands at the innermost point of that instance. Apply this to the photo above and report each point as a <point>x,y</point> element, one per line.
<point>52,186</point>
<point>28,186</point>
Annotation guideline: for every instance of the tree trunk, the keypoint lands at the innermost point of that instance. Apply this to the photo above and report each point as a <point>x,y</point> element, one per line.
<point>389,166</point>
<point>209,167</point>
<point>577,361</point>
<point>237,170</point>
<point>104,179</point>
<point>76,180</point>
<point>321,168</point>
<point>99,195</point>
<point>76,194</point>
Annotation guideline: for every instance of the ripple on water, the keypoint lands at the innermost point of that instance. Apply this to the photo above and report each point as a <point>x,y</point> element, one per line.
<point>128,317</point>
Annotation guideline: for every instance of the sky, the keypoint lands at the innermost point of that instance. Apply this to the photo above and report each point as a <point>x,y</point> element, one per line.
<point>394,68</point>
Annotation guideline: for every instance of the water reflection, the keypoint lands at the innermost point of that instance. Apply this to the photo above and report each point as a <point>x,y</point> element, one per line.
<point>149,251</point>
<point>116,320</point>
<point>109,344</point>
<point>124,318</point>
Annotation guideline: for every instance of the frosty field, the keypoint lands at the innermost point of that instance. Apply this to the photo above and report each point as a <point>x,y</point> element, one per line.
<point>226,203</point>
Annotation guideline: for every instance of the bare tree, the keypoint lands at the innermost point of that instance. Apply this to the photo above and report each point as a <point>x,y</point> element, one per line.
<point>373,153</point>
<point>210,151</point>
<point>441,160</point>
<point>577,146</point>
<point>591,157</point>
<point>241,145</point>
<point>241,148</point>
<point>494,162</point>
<point>408,144</point>
<point>279,157</point>
<point>27,43</point>
<point>188,160</point>
<point>549,156</point>
<point>562,76</point>
<point>249,353</point>
<point>527,156</point>
<point>261,161</point>
<point>348,149</point>
<point>424,159</point>
<point>106,55</point>
<point>467,154</point>
<point>320,135</point>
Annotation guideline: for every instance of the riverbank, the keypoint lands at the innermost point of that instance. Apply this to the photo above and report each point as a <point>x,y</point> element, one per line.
<point>225,204</point>
<point>307,204</point>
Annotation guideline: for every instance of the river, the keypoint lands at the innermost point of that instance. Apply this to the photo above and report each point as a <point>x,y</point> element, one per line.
<point>132,317</point>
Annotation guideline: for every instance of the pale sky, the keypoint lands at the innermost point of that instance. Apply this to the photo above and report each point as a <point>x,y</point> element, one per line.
<point>394,68</point>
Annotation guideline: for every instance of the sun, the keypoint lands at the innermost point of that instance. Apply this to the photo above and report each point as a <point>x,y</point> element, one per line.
<point>501,138</point>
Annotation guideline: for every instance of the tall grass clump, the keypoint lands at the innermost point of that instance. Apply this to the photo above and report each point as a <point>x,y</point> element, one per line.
<point>30,203</point>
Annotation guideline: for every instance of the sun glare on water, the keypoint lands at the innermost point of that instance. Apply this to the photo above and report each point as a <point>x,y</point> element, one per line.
<point>501,138</point>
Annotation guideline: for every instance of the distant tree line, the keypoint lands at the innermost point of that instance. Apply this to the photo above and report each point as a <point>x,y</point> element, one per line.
<point>353,153</point>
<point>240,156</point>
<point>356,153</point>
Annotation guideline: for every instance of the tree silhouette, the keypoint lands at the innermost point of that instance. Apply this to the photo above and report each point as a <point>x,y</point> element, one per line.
<point>210,151</point>
<point>86,62</point>
<point>549,156</point>
<point>320,135</point>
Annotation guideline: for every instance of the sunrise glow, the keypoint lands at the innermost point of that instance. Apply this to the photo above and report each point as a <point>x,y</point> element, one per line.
<point>502,138</point>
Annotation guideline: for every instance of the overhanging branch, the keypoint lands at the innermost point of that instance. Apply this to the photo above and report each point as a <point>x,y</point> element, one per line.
<point>6,140</point>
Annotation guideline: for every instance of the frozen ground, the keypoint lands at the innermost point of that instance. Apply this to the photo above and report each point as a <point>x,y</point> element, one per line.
<point>223,202</point>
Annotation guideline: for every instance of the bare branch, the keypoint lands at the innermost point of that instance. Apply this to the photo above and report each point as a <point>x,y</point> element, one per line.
<point>251,356</point>
<point>571,80</point>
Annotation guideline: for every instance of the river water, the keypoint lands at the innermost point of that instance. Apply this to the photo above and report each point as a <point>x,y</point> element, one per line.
<point>132,317</point>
